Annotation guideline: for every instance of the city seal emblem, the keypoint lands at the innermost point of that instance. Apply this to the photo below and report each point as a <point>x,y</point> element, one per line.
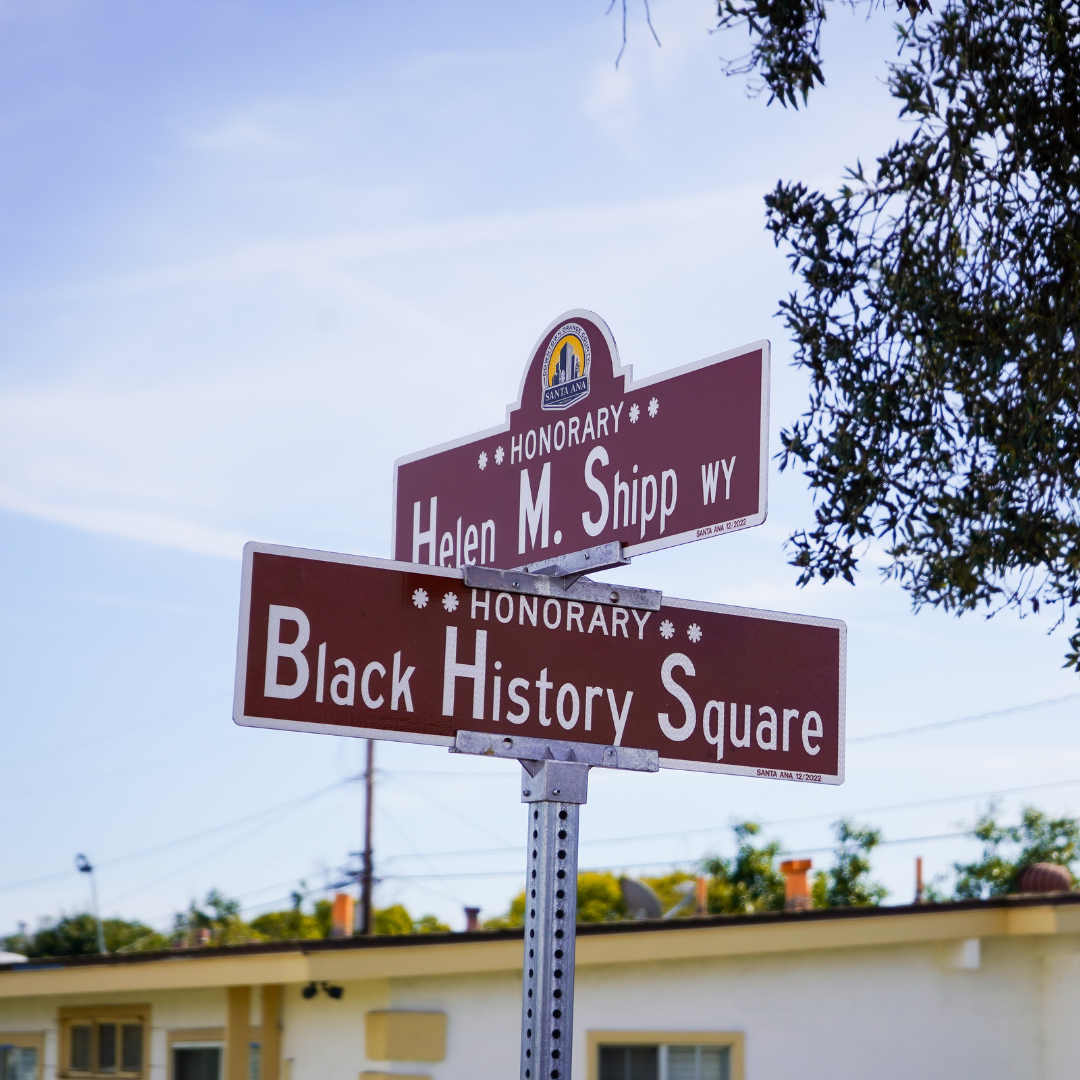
<point>565,373</point>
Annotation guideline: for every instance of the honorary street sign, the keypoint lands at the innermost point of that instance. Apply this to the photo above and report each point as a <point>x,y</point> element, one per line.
<point>589,456</point>
<point>354,646</point>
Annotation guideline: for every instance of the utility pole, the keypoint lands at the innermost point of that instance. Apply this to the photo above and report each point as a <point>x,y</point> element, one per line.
<point>82,864</point>
<point>367,913</point>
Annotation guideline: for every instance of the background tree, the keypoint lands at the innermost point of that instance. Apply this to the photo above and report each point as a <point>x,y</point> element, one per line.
<point>219,915</point>
<point>750,881</point>
<point>76,935</point>
<point>938,306</point>
<point>846,883</point>
<point>1009,849</point>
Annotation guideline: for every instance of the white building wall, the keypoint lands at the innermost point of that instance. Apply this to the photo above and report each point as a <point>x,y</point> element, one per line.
<point>887,1013</point>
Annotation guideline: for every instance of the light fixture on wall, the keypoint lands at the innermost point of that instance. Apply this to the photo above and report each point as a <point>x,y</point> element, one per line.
<point>312,989</point>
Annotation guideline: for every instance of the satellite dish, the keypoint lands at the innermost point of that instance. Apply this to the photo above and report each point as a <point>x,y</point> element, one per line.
<point>640,899</point>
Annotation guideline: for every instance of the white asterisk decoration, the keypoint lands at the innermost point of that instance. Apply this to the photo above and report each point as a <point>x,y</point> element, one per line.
<point>450,602</point>
<point>635,412</point>
<point>694,632</point>
<point>500,453</point>
<point>667,630</point>
<point>482,460</point>
<point>420,598</point>
<point>654,407</point>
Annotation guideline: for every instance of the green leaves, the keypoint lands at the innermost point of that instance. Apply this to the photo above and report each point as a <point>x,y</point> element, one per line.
<point>938,314</point>
<point>1039,837</point>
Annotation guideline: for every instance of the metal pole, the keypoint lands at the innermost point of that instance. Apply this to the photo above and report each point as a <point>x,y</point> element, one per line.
<point>82,864</point>
<point>367,916</point>
<point>554,791</point>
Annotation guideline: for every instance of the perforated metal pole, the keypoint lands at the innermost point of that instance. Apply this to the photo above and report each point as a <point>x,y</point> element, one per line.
<point>554,791</point>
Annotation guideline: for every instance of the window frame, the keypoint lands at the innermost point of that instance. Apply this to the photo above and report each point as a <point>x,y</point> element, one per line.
<point>76,1015</point>
<point>733,1039</point>
<point>27,1040</point>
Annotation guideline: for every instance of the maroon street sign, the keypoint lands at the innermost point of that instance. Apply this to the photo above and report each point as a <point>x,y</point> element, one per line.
<point>588,456</point>
<point>347,645</point>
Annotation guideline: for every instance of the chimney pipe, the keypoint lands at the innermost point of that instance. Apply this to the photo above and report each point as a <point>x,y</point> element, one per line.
<point>702,896</point>
<point>796,889</point>
<point>472,918</point>
<point>341,915</point>
<point>918,880</point>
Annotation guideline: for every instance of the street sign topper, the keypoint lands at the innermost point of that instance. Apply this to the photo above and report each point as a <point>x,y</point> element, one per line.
<point>589,456</point>
<point>348,645</point>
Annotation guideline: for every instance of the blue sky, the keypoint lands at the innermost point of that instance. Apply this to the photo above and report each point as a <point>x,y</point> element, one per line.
<point>252,253</point>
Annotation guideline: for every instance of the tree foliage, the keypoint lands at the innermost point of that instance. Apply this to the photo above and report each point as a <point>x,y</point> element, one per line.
<point>846,883</point>
<point>76,935</point>
<point>938,306</point>
<point>1009,849</point>
<point>750,880</point>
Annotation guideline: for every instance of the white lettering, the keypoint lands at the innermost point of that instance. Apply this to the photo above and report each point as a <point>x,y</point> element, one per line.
<point>641,618</point>
<point>728,470</point>
<point>544,686</point>
<point>534,514</point>
<point>710,473</point>
<point>620,617</point>
<point>648,514</point>
<point>521,702</point>
<point>320,674</point>
<point>446,548</point>
<point>812,729</point>
<point>590,693</point>
<point>420,539</point>
<point>399,686</point>
<point>567,690</point>
<point>735,740</point>
<point>598,619</point>
<point>618,716</point>
<point>374,668</point>
<point>477,671</point>
<point>686,729</point>
<point>558,614</point>
<point>515,449</point>
<point>769,726</point>
<point>666,510</point>
<point>789,715</point>
<point>594,528</point>
<point>485,603</point>
<point>717,740</point>
<point>472,542</point>
<point>348,680</point>
<point>276,650</point>
<point>574,612</point>
<point>487,553</point>
<point>615,415</point>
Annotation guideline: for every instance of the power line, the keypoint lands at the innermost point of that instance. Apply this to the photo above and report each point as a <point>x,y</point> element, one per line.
<point>964,719</point>
<point>663,862</point>
<point>181,840</point>
<point>835,815</point>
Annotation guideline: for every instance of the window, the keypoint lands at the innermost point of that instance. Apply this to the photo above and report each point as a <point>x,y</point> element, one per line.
<point>108,1042</point>
<point>195,1062</point>
<point>665,1055</point>
<point>21,1056</point>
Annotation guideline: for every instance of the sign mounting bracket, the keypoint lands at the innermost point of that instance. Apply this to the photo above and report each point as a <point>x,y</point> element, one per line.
<point>564,578</point>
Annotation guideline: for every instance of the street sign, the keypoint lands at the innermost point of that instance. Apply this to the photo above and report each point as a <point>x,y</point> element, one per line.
<point>588,456</point>
<point>354,646</point>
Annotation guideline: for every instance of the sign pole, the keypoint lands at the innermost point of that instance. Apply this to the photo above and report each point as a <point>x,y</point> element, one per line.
<point>554,791</point>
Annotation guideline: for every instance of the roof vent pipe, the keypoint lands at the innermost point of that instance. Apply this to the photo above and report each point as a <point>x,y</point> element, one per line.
<point>796,889</point>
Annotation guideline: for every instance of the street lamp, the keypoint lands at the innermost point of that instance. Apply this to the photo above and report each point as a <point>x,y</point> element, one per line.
<point>82,864</point>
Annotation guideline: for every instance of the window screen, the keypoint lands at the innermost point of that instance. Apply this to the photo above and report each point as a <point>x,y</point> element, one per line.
<point>629,1063</point>
<point>80,1047</point>
<point>106,1048</point>
<point>642,1062</point>
<point>131,1047</point>
<point>698,1062</point>
<point>18,1063</point>
<point>197,1063</point>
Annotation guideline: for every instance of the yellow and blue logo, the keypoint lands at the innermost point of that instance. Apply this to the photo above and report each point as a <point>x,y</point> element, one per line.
<point>566,367</point>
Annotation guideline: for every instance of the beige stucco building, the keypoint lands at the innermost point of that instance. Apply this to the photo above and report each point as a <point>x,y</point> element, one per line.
<point>984,990</point>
